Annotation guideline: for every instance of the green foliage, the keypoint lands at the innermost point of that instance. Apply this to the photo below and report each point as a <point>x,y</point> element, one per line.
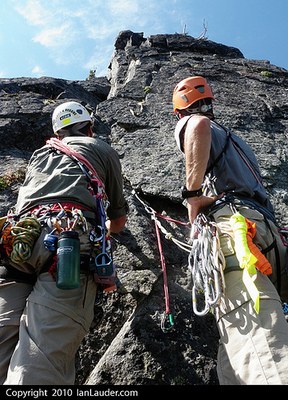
<point>147,89</point>
<point>92,73</point>
<point>7,180</point>
<point>266,73</point>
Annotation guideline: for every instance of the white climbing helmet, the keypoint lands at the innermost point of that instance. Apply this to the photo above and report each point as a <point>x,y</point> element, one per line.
<point>69,113</point>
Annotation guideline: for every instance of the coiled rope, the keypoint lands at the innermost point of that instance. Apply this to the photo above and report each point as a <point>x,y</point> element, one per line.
<point>25,233</point>
<point>7,238</point>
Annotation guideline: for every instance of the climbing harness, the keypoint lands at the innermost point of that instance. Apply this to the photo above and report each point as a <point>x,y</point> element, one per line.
<point>248,254</point>
<point>236,203</point>
<point>206,259</point>
<point>206,263</point>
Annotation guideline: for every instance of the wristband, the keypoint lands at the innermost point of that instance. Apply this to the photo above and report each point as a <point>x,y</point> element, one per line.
<point>191,193</point>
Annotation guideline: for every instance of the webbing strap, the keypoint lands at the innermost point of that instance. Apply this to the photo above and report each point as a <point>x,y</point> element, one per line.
<point>269,248</point>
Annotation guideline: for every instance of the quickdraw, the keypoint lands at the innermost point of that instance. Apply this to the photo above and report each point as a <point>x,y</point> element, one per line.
<point>167,320</point>
<point>206,262</point>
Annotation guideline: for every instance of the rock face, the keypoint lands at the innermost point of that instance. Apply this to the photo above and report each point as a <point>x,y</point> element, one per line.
<point>131,340</point>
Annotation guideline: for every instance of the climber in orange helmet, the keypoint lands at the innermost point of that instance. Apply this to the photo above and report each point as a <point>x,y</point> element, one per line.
<point>222,175</point>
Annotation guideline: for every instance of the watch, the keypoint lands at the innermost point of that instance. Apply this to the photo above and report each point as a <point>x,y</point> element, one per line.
<point>191,193</point>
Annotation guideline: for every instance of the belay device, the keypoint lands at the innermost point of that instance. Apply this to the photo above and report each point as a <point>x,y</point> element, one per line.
<point>103,268</point>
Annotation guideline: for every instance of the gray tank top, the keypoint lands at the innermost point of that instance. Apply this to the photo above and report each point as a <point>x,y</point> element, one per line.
<point>235,168</point>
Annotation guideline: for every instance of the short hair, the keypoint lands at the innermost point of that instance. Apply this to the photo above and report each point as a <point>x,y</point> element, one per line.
<point>79,129</point>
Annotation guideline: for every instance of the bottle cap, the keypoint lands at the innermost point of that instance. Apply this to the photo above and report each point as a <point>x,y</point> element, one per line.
<point>69,234</point>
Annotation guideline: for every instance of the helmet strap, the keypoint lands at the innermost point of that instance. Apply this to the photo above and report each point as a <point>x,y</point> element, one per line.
<point>203,106</point>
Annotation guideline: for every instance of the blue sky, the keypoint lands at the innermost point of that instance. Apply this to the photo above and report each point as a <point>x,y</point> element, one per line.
<point>67,38</point>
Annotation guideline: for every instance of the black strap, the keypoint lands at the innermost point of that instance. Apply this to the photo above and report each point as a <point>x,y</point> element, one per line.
<point>278,268</point>
<point>209,169</point>
<point>269,248</point>
<point>274,246</point>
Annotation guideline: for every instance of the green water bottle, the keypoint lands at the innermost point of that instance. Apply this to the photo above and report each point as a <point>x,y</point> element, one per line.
<point>68,260</point>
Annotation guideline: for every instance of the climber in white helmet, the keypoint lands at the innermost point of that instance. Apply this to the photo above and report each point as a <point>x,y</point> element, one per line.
<point>43,322</point>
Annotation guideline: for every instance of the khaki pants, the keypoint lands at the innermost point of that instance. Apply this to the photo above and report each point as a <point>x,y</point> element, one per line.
<point>253,347</point>
<point>53,323</point>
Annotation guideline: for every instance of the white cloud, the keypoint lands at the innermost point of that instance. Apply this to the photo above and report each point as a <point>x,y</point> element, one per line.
<point>54,37</point>
<point>37,71</point>
<point>84,32</point>
<point>34,12</point>
<point>125,7</point>
<point>80,34</point>
<point>99,59</point>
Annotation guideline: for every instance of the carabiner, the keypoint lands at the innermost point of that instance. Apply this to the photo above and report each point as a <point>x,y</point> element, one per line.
<point>103,260</point>
<point>215,289</point>
<point>167,322</point>
<point>194,304</point>
<point>97,234</point>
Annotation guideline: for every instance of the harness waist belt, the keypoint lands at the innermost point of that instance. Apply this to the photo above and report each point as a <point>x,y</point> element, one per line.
<point>56,207</point>
<point>10,273</point>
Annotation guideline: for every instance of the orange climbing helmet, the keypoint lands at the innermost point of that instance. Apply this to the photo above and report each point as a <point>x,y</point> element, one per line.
<point>190,90</point>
